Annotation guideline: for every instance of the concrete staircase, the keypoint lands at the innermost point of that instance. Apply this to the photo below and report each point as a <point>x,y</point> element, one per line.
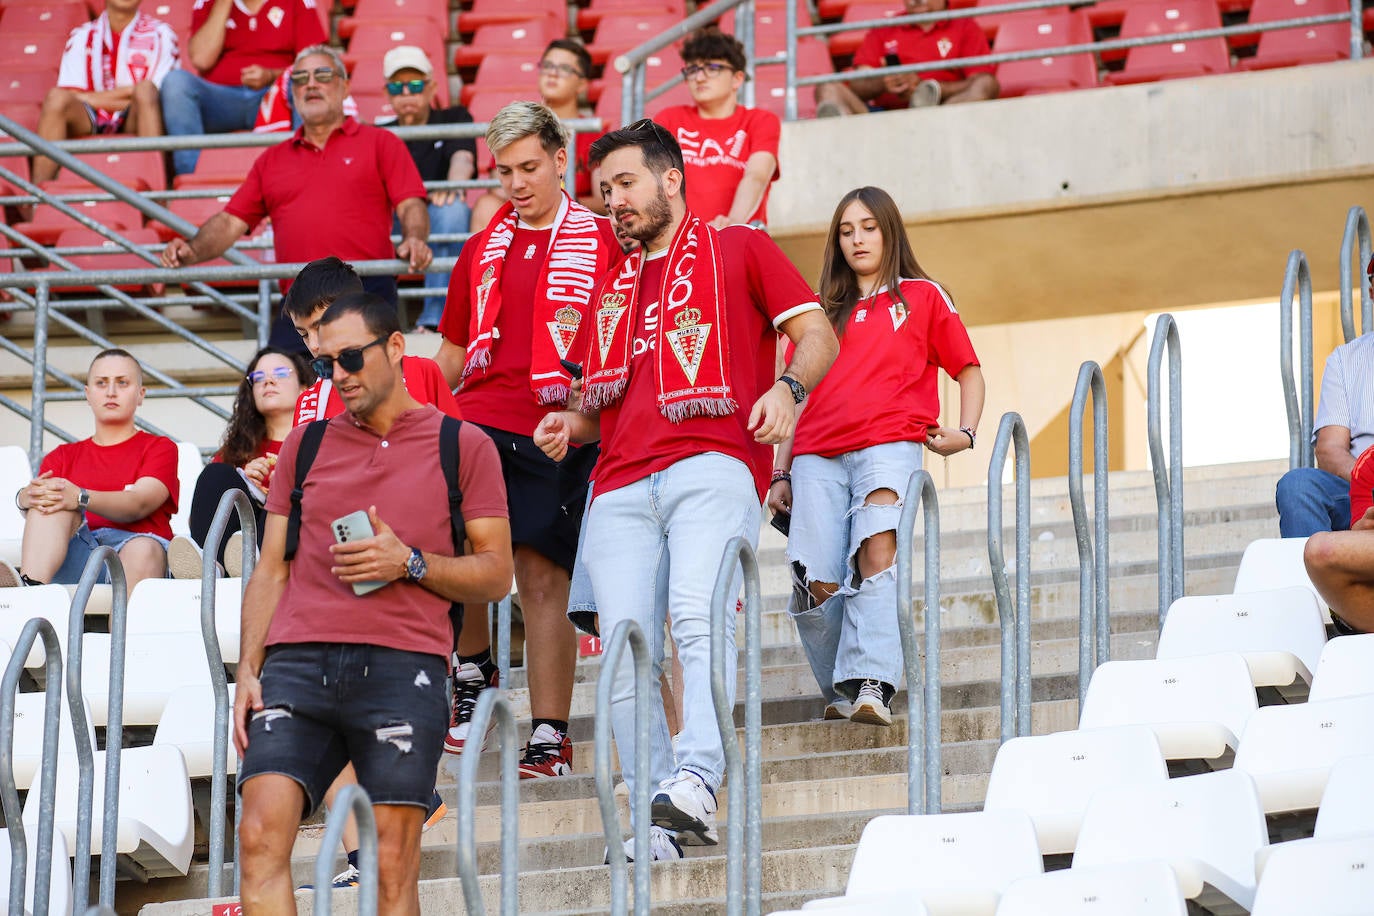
<point>824,780</point>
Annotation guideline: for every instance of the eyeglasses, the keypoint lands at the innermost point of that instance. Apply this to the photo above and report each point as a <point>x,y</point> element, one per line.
<point>552,69</point>
<point>415,87</point>
<point>692,71</point>
<point>350,360</point>
<point>321,74</point>
<point>258,376</point>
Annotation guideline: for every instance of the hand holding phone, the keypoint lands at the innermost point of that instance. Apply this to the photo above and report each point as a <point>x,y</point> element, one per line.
<point>355,527</point>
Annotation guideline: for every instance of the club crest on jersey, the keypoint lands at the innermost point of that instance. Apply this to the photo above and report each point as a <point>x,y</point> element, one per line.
<point>688,341</point>
<point>860,316</point>
<point>563,329</point>
<point>898,313</point>
<point>944,46</point>
<point>608,316</point>
<point>275,15</point>
<point>484,292</point>
<point>529,252</point>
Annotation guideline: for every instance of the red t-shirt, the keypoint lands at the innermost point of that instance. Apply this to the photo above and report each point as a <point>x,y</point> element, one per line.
<point>500,396</point>
<point>883,387</point>
<point>762,290</point>
<point>400,475</point>
<point>270,38</point>
<point>110,468</point>
<point>953,38</point>
<point>423,377</point>
<point>268,448</point>
<point>337,200</point>
<point>715,151</point>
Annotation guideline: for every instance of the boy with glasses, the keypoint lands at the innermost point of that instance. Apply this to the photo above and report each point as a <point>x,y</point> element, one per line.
<point>731,152</point>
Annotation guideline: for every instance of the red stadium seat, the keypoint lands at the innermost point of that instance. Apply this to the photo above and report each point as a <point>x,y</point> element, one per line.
<point>23,86</point>
<point>60,16</point>
<point>1313,44</point>
<point>518,70</point>
<point>846,43</point>
<point>141,171</point>
<point>19,165</point>
<point>509,36</point>
<point>990,22</point>
<point>1172,60</point>
<point>25,113</point>
<point>372,12</point>
<point>661,67</point>
<point>1045,74</point>
<point>770,26</point>
<point>371,41</point>
<point>608,106</point>
<point>220,167</point>
<point>498,12</point>
<point>48,223</point>
<point>835,9</point>
<point>619,34</point>
<point>176,13</point>
<point>373,106</point>
<point>195,210</point>
<point>116,259</point>
<point>591,17</point>
<point>31,50</point>
<point>770,93</point>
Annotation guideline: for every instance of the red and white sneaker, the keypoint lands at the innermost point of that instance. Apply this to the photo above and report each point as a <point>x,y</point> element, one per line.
<point>548,753</point>
<point>468,684</point>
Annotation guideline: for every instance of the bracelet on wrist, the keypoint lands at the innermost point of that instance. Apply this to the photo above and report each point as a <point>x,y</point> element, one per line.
<point>17,494</point>
<point>782,475</point>
<point>972,437</point>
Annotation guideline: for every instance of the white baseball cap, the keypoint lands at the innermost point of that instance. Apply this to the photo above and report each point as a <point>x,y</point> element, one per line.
<point>406,57</point>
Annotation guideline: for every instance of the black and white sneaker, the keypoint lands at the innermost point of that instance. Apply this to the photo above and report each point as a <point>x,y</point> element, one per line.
<point>468,684</point>
<point>685,805</point>
<point>663,847</point>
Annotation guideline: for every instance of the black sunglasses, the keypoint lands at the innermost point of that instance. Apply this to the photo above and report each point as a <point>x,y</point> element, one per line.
<point>351,360</point>
<point>396,87</point>
<point>321,74</point>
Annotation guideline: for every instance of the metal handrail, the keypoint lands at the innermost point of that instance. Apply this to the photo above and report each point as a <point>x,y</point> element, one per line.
<point>1014,617</point>
<point>233,501</point>
<point>924,750</point>
<point>1168,480</point>
<point>1297,281</point>
<point>351,800</point>
<point>491,702</point>
<point>1094,581</point>
<point>1356,233</point>
<point>104,558</point>
<point>627,632</point>
<point>744,832</point>
<point>47,791</point>
<point>503,627</point>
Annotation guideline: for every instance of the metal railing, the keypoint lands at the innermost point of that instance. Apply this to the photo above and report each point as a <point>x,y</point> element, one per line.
<point>1356,237</point>
<point>1168,479</point>
<point>627,632</point>
<point>924,751</point>
<point>353,801</point>
<point>1094,578</point>
<point>491,702</point>
<point>744,778</point>
<point>503,611</point>
<point>37,628</point>
<point>1014,617</point>
<point>233,501</point>
<point>1297,281</point>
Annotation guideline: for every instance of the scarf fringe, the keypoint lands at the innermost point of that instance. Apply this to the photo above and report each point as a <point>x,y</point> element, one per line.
<point>555,395</point>
<point>677,411</point>
<point>481,359</point>
<point>603,394</point>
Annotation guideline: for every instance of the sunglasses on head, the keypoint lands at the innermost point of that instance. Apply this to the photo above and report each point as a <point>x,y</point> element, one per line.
<point>350,360</point>
<point>258,376</point>
<point>321,74</point>
<point>397,87</point>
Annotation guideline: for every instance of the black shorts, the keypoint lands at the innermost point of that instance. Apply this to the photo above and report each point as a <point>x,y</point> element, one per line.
<point>328,704</point>
<point>546,499</point>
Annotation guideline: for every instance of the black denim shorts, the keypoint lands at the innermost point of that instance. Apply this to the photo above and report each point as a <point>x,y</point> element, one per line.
<point>328,704</point>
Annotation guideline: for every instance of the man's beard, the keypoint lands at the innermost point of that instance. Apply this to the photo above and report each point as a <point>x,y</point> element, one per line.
<point>654,219</point>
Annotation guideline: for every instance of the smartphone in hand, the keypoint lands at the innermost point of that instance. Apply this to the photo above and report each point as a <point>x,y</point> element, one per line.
<point>572,368</point>
<point>355,527</point>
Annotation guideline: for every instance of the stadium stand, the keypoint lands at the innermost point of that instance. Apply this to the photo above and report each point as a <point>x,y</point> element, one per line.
<point>1289,750</point>
<point>1290,47</point>
<point>1323,876</point>
<point>1270,563</point>
<point>1345,668</point>
<point>1146,887</point>
<point>60,901</point>
<point>1175,60</point>
<point>1055,73</point>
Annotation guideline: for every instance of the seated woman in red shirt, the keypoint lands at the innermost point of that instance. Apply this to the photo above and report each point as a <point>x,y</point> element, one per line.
<point>857,442</point>
<point>264,412</point>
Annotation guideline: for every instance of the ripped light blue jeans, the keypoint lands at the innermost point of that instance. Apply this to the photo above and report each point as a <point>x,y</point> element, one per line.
<point>852,635</point>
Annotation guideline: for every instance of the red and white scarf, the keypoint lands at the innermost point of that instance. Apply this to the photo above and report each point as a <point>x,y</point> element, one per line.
<point>575,263</point>
<point>691,330</point>
<point>92,62</point>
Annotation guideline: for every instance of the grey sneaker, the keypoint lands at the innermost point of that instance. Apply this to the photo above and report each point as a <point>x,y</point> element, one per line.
<point>663,847</point>
<point>233,555</point>
<point>184,558</point>
<point>686,806</point>
<point>9,576</point>
<point>870,707</point>
<point>925,95</point>
<point>830,110</point>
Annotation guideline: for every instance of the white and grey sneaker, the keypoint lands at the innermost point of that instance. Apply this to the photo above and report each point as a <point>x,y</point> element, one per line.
<point>685,805</point>
<point>925,95</point>
<point>870,706</point>
<point>233,555</point>
<point>838,708</point>
<point>184,558</point>
<point>663,847</point>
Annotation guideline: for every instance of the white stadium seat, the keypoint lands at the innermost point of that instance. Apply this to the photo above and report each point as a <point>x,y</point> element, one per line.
<point>1052,777</point>
<point>1347,807</point>
<point>1318,878</point>
<point>1207,827</point>
<point>155,817</point>
<point>900,904</point>
<point>1289,750</point>
<point>156,665</point>
<point>1271,563</point>
<point>1280,633</point>
<point>189,465</point>
<point>17,605</point>
<point>60,884</point>
<point>173,606</point>
<point>1197,706</point>
<point>953,863</point>
<point>1346,668</point>
<point>188,723</point>
<point>1144,888</point>
<point>14,473</point>
<point>28,736</point>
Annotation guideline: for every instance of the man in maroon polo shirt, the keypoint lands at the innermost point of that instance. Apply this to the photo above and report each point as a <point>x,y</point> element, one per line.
<point>329,190</point>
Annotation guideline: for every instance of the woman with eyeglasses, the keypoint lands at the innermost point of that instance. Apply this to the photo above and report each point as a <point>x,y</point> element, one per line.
<point>264,411</point>
<point>563,72</point>
<point>843,475</point>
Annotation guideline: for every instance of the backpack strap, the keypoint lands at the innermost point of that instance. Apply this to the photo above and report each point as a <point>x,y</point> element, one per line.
<point>448,459</point>
<point>305,457</point>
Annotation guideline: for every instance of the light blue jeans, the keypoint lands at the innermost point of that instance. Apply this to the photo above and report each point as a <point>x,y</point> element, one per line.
<point>852,635</point>
<point>85,542</point>
<point>192,105</point>
<point>450,219</point>
<point>655,547</point>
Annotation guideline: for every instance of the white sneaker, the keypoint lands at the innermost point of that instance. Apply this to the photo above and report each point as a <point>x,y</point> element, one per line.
<point>663,847</point>
<point>925,95</point>
<point>830,110</point>
<point>869,706</point>
<point>9,576</point>
<point>468,685</point>
<point>233,555</point>
<point>838,708</point>
<point>686,806</point>
<point>184,558</point>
